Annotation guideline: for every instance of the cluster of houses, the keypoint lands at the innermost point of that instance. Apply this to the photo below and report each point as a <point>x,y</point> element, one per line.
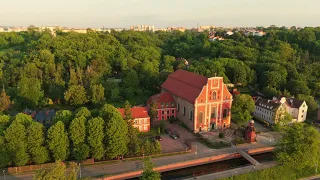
<point>204,104</point>
<point>273,110</point>
<point>201,103</point>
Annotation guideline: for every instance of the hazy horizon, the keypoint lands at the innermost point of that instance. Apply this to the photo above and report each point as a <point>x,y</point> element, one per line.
<point>164,13</point>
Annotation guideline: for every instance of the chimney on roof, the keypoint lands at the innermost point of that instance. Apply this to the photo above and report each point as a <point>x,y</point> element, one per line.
<point>283,100</point>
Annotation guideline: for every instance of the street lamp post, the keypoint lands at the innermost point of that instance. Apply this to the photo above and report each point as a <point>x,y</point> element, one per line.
<point>4,174</point>
<point>196,151</point>
<point>80,170</point>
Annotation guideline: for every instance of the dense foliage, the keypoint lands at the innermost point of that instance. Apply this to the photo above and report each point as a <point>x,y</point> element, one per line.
<point>58,171</point>
<point>148,172</point>
<point>73,136</point>
<point>93,68</point>
<point>242,108</point>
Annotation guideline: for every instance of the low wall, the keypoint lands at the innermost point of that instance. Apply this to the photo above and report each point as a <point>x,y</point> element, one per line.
<point>185,164</point>
<point>21,169</point>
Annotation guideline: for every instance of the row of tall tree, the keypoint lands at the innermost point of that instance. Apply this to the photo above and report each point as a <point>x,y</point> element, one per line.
<point>102,134</point>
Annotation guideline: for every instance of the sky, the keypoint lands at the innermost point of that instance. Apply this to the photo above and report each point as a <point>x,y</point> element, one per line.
<point>160,13</point>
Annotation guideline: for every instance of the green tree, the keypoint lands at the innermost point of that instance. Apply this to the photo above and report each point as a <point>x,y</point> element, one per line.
<point>58,141</point>
<point>127,111</point>
<point>4,155</point>
<point>4,101</point>
<point>153,112</point>
<point>97,93</point>
<point>4,123</point>
<point>242,107</point>
<point>157,147</point>
<point>116,131</point>
<point>76,95</point>
<point>36,143</point>
<point>30,92</point>
<point>77,133</point>
<point>63,115</point>
<point>23,119</point>
<point>95,137</point>
<point>299,147</point>
<point>83,112</point>
<point>148,172</point>
<point>16,138</point>
<point>58,171</point>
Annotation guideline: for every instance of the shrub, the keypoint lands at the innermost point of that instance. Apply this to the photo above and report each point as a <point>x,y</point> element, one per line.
<point>221,135</point>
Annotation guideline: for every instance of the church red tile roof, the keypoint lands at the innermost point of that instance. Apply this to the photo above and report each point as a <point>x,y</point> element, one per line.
<point>186,85</point>
<point>164,98</point>
<point>137,112</point>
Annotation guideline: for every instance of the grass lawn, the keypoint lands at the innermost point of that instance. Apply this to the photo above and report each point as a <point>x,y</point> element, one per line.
<point>152,132</point>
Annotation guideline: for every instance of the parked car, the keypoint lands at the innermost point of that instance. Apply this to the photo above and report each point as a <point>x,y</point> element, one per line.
<point>173,136</point>
<point>158,138</point>
<point>177,134</point>
<point>168,130</point>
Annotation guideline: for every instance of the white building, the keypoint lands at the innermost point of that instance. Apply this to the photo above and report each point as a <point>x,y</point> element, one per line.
<point>254,33</point>
<point>229,33</point>
<point>142,28</point>
<point>268,110</point>
<point>296,108</point>
<point>272,110</point>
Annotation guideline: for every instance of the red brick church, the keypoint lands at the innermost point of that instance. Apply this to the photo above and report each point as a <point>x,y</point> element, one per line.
<point>201,103</point>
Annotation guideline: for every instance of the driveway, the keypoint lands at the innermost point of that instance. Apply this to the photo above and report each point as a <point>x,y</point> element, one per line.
<point>268,138</point>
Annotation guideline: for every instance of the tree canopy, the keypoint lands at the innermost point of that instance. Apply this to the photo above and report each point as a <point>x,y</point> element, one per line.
<point>242,107</point>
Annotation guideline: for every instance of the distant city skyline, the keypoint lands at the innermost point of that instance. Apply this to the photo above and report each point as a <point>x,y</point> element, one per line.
<point>161,14</point>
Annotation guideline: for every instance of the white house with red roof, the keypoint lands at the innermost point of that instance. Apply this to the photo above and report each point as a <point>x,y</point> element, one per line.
<point>202,103</point>
<point>166,105</point>
<point>140,118</point>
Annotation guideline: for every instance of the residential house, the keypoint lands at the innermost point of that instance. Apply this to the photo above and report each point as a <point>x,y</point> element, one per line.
<point>215,38</point>
<point>202,103</point>
<point>295,107</point>
<point>268,110</point>
<point>272,110</point>
<point>166,105</point>
<point>140,118</point>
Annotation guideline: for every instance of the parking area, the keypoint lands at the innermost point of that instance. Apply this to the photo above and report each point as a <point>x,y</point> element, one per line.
<point>259,127</point>
<point>169,144</point>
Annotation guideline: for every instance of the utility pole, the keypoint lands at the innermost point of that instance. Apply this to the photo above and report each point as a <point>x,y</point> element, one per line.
<point>80,170</point>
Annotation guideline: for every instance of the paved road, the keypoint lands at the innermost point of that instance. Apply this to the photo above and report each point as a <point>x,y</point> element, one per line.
<point>317,177</point>
<point>232,172</point>
<point>120,167</point>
